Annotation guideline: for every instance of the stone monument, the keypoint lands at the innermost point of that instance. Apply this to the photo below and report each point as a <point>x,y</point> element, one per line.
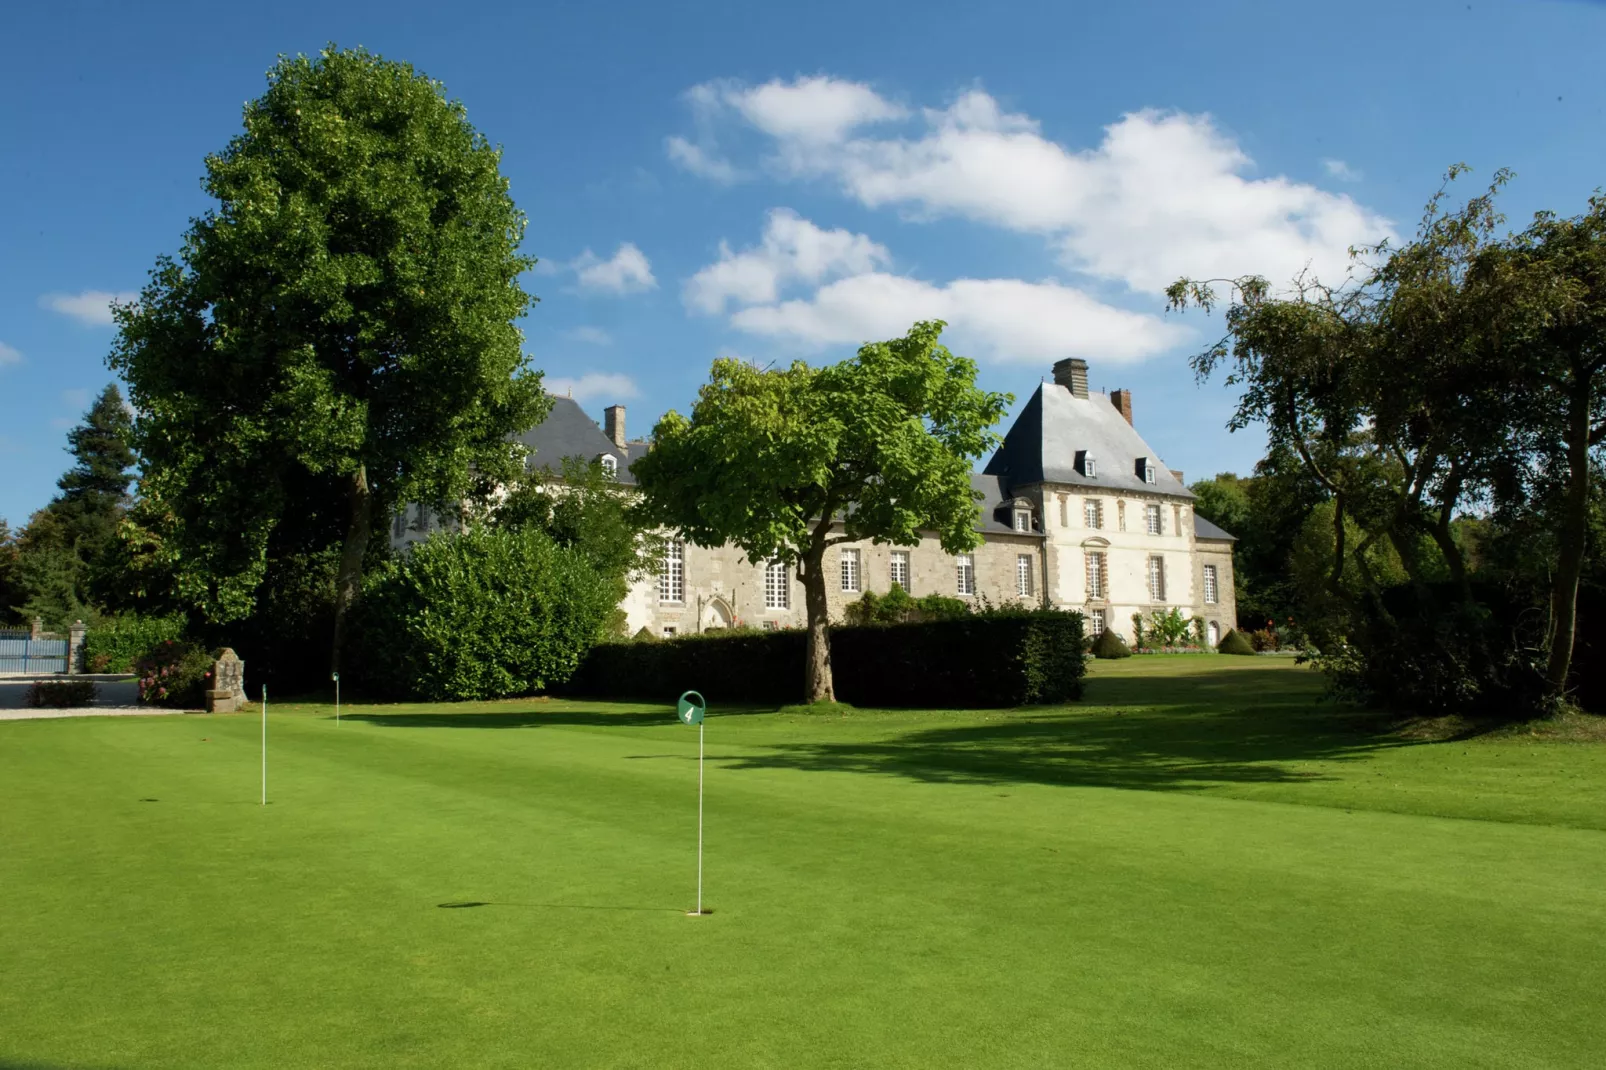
<point>227,693</point>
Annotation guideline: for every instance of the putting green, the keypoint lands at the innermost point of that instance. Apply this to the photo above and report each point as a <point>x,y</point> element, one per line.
<point>1201,865</point>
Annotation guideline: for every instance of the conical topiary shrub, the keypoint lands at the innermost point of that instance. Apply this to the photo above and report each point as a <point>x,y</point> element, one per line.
<point>1109,644</point>
<point>1235,642</point>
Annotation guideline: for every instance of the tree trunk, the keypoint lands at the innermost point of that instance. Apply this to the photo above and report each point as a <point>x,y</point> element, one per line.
<point>349,581</point>
<point>1574,528</point>
<point>817,683</point>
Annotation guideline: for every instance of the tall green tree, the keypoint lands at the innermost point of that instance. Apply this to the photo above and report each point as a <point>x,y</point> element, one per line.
<point>788,462</point>
<point>11,589</point>
<point>1553,275</point>
<point>337,335</point>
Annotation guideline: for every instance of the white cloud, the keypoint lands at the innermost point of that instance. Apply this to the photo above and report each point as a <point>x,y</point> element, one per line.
<point>627,271</point>
<point>792,249</point>
<point>1342,171</point>
<point>90,306</point>
<point>591,335</point>
<point>1162,195</point>
<point>818,110</point>
<point>76,398</point>
<point>9,355</point>
<point>702,162</point>
<point>609,386</point>
<point>1005,320</point>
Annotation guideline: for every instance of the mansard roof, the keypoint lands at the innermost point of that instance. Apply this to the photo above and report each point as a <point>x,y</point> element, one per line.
<point>569,432</point>
<point>1055,426</point>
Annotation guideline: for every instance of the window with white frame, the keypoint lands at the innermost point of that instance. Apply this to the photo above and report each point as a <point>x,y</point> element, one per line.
<point>672,573</point>
<point>1153,520</point>
<point>1023,520</point>
<point>1210,584</point>
<point>1157,579</point>
<point>770,626</point>
<point>1097,576</point>
<point>777,586</point>
<point>610,465</point>
<point>1093,512</point>
<point>899,571</point>
<point>850,570</point>
<point>669,631</point>
<point>1095,622</point>
<point>1150,473</point>
<point>1023,574</point>
<point>965,566</point>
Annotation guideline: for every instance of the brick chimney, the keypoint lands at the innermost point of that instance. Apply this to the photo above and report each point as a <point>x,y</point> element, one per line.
<point>1071,373</point>
<point>1122,400</point>
<point>613,423</point>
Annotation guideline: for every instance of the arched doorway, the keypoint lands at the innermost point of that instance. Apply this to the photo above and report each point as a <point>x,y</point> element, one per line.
<point>1213,630</point>
<point>716,614</point>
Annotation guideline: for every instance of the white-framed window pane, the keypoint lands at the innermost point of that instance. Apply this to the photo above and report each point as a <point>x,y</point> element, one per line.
<point>672,573</point>
<point>1149,474</point>
<point>850,570</point>
<point>966,568</point>
<point>1095,574</point>
<point>769,626</point>
<point>1023,574</point>
<point>777,586</point>
<point>1210,584</point>
<point>1095,622</point>
<point>900,569</point>
<point>1090,468</point>
<point>669,631</point>
<point>1093,513</point>
<point>1157,579</point>
<point>610,464</point>
<point>1023,520</point>
<point>1152,519</point>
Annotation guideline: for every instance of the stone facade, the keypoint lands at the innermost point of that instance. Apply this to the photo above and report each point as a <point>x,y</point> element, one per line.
<point>1072,493</point>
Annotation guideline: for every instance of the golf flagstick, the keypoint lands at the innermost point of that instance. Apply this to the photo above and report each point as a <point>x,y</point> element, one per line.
<point>691,708</point>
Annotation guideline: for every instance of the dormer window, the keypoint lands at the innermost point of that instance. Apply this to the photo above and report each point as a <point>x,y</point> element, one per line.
<point>1023,520</point>
<point>1145,470</point>
<point>610,465</point>
<point>1085,464</point>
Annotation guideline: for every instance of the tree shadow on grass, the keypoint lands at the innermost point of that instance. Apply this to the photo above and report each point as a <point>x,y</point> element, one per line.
<point>1148,733</point>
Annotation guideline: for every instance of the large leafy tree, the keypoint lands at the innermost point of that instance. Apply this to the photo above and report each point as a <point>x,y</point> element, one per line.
<point>1553,275</point>
<point>788,462</point>
<point>337,336</point>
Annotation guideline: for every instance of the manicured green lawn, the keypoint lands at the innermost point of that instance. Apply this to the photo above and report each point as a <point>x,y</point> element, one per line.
<point>1201,865</point>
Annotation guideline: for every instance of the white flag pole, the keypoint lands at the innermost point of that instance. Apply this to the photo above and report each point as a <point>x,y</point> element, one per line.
<point>700,818</point>
<point>264,744</point>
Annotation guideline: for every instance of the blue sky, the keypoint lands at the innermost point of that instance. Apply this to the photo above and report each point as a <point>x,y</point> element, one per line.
<point>786,181</point>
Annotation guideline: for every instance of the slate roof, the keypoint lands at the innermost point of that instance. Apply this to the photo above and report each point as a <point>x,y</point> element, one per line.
<point>1204,529</point>
<point>569,432</point>
<point>996,515</point>
<point>1055,425</point>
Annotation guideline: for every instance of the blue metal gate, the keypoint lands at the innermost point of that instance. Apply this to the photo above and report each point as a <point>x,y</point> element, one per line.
<point>20,655</point>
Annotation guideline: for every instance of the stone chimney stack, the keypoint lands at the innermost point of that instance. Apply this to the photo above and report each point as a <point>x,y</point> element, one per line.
<point>1071,373</point>
<point>613,422</point>
<point>1122,400</point>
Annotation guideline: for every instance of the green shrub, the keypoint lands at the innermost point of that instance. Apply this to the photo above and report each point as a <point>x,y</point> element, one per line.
<point>1235,643</point>
<point>116,643</point>
<point>1109,644</point>
<point>488,613</point>
<point>1003,658</point>
<point>175,674</point>
<point>898,607</point>
<point>61,694</point>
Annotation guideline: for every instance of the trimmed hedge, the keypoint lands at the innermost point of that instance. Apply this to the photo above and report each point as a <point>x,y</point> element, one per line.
<point>984,660</point>
<point>1110,645</point>
<point>116,644</point>
<point>1234,642</point>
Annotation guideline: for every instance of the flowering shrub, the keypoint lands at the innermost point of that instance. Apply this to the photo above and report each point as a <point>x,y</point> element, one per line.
<point>176,674</point>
